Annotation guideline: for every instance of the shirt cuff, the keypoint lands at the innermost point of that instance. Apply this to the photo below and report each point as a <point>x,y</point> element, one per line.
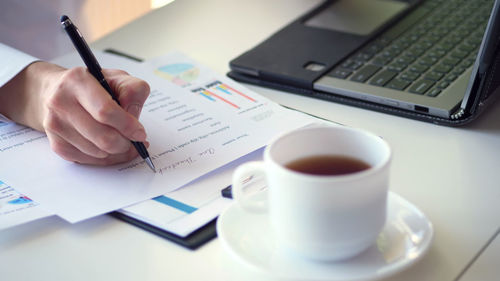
<point>13,61</point>
<point>4,119</point>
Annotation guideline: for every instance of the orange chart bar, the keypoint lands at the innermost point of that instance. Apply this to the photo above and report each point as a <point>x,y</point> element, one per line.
<point>225,88</point>
<point>220,98</point>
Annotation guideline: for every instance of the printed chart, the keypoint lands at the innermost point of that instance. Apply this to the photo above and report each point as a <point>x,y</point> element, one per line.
<point>181,74</point>
<point>16,208</point>
<point>217,91</point>
<point>9,197</point>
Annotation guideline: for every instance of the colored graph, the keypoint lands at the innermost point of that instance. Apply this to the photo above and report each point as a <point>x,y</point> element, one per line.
<point>175,204</point>
<point>20,200</point>
<point>218,91</point>
<point>181,74</point>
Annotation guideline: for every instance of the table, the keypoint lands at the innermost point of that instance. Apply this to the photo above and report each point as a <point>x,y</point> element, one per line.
<point>451,174</point>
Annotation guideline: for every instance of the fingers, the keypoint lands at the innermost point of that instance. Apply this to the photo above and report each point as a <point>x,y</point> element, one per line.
<point>102,136</point>
<point>99,104</point>
<point>72,137</point>
<point>71,153</point>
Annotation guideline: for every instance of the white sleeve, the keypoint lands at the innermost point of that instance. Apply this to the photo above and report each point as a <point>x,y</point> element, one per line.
<point>13,61</point>
<point>4,119</point>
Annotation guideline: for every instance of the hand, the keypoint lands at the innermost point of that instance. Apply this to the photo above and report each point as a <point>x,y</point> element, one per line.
<point>83,123</point>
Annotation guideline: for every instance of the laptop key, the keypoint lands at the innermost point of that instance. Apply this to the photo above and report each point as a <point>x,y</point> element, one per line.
<point>451,61</point>
<point>397,66</point>
<point>459,54</point>
<point>363,56</point>
<point>397,84</point>
<point>452,39</point>
<point>444,46</point>
<point>428,60</point>
<point>405,59</point>
<point>466,47</point>
<point>383,77</point>
<point>351,64</point>
<point>418,68</point>
<point>458,70</point>
<point>340,72</point>
<point>450,77</point>
<point>433,76</point>
<point>391,53</point>
<point>434,92</point>
<point>409,76</point>
<point>443,68</point>
<point>443,84</point>
<point>381,60</point>
<point>424,45</point>
<point>421,86</point>
<point>466,63</point>
<point>437,53</point>
<point>365,73</point>
<point>414,52</point>
<point>373,48</point>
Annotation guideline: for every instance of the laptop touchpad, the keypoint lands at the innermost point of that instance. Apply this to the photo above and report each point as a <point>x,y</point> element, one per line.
<point>357,16</point>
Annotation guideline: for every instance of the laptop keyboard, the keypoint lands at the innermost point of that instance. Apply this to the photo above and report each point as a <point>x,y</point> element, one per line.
<point>423,53</point>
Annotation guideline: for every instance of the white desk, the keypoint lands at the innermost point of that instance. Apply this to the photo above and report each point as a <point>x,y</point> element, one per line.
<point>451,174</point>
<point>485,268</point>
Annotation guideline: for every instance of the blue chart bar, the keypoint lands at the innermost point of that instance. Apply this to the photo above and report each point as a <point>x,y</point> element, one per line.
<point>223,90</point>
<point>175,204</point>
<point>207,96</point>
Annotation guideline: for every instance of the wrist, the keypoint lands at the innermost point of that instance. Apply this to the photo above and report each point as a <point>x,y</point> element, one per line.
<point>22,98</point>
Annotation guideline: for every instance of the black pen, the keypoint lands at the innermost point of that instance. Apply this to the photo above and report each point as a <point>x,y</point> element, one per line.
<point>95,69</point>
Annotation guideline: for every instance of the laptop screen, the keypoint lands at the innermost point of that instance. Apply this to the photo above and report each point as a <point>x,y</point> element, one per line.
<point>484,59</point>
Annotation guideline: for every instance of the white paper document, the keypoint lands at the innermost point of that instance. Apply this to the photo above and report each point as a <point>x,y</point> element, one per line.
<point>188,208</point>
<point>196,121</point>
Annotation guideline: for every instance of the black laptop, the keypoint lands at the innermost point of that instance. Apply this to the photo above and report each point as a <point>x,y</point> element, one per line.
<point>432,60</point>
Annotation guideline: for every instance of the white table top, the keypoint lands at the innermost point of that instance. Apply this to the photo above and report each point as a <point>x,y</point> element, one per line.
<point>485,268</point>
<point>451,174</point>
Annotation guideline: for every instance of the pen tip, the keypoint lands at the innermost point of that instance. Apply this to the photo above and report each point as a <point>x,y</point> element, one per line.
<point>150,164</point>
<point>64,17</point>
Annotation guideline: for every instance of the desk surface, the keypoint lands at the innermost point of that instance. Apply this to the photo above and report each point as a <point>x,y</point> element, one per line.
<point>449,173</point>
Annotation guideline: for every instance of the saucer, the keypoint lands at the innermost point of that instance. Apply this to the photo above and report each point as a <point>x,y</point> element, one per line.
<point>405,238</point>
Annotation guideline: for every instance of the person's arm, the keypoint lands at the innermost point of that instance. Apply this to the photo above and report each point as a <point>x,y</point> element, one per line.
<point>82,122</point>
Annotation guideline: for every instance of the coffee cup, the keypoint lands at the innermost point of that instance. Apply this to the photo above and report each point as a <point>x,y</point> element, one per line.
<point>326,193</point>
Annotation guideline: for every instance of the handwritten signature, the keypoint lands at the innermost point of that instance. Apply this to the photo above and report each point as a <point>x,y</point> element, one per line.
<point>186,161</point>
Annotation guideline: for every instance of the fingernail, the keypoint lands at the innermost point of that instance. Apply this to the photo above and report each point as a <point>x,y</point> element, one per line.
<point>139,135</point>
<point>101,154</point>
<point>134,109</point>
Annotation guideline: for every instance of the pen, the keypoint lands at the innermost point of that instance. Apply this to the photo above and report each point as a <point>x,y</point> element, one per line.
<point>95,69</point>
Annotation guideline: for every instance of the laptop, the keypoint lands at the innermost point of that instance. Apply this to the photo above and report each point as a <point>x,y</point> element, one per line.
<point>431,60</point>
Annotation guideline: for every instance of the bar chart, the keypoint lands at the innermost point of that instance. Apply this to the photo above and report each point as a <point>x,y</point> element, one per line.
<point>217,91</point>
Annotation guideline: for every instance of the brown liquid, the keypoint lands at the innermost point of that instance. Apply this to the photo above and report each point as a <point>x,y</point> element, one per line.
<point>327,165</point>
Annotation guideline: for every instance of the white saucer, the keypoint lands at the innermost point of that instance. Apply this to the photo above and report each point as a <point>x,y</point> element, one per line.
<point>405,238</point>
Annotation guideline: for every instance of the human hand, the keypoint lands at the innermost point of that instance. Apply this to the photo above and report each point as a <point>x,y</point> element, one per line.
<point>83,123</point>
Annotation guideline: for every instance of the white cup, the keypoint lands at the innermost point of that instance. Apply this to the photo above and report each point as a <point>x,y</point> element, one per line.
<point>321,217</point>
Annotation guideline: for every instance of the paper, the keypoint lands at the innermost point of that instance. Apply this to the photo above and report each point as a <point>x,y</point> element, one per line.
<point>196,121</point>
<point>190,207</point>
<point>16,208</point>
<point>180,212</point>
